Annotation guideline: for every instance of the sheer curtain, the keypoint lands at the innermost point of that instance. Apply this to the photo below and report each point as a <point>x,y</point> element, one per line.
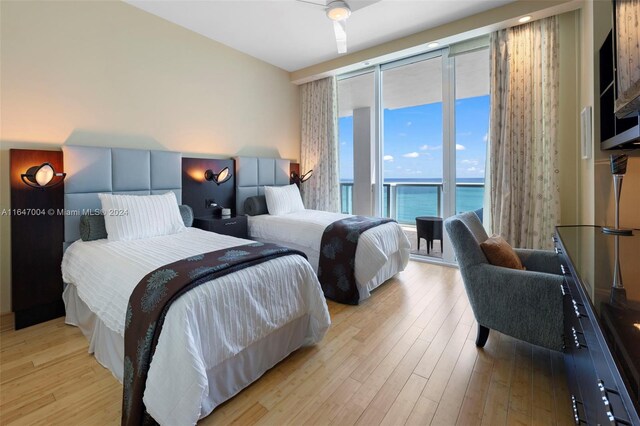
<point>319,145</point>
<point>525,204</point>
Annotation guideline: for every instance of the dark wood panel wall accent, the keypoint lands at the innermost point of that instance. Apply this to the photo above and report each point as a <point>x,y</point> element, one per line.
<point>37,233</point>
<point>294,167</point>
<point>196,190</point>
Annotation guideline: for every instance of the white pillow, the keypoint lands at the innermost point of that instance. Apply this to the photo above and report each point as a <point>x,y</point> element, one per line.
<point>132,217</point>
<point>283,199</point>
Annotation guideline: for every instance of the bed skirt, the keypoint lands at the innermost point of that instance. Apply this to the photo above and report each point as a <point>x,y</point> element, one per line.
<point>396,263</point>
<point>225,379</point>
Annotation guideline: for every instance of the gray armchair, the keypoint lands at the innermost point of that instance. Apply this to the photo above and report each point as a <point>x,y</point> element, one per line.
<point>524,304</point>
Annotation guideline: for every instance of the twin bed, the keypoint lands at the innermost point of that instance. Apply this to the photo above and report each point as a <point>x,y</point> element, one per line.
<point>226,332</point>
<point>382,251</point>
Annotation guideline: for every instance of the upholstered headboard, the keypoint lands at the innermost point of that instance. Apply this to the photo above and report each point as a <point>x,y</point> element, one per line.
<point>253,174</point>
<point>94,170</point>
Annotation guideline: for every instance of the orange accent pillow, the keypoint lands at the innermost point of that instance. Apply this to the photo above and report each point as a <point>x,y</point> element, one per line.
<point>500,253</point>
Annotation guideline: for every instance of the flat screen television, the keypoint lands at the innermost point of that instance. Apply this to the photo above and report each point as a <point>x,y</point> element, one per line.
<point>619,89</point>
<point>627,45</point>
<point>615,132</point>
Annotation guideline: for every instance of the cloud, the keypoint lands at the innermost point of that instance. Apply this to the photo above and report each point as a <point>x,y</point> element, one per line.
<point>430,147</point>
<point>409,123</point>
<point>476,171</point>
<point>460,147</point>
<point>388,158</point>
<point>485,138</point>
<point>411,155</point>
<point>470,162</point>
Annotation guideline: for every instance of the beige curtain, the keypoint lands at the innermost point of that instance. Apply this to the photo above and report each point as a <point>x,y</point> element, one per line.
<point>525,204</point>
<point>319,145</point>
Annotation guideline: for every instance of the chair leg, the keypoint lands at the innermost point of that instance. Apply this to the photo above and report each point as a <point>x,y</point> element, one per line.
<point>418,242</point>
<point>482,336</point>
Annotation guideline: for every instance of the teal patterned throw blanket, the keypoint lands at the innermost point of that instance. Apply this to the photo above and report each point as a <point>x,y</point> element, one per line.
<point>150,301</point>
<point>336,266</point>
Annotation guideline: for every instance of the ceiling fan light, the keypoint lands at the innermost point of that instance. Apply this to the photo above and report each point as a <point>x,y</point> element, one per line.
<point>338,11</point>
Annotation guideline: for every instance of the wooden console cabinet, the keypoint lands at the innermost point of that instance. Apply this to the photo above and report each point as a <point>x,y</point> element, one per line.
<point>602,323</point>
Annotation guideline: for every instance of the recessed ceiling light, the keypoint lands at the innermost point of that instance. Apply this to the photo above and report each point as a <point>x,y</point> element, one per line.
<point>524,19</point>
<point>432,45</point>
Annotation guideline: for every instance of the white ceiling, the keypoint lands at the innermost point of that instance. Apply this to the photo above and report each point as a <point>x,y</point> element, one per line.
<point>293,35</point>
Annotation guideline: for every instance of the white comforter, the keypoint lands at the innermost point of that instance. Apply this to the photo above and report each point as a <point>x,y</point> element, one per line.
<point>303,230</point>
<point>207,325</point>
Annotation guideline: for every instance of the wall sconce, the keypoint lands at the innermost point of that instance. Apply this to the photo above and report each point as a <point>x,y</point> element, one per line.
<point>218,178</point>
<point>42,176</point>
<point>298,179</point>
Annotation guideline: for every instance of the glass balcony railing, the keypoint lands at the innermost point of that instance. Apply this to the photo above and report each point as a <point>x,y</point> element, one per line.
<point>404,201</point>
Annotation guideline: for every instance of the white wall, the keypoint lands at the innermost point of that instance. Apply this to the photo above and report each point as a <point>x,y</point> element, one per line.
<point>569,117</point>
<point>108,74</point>
<point>596,203</point>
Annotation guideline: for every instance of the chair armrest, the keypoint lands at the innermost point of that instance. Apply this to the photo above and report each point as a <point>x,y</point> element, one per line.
<point>523,304</point>
<point>540,260</point>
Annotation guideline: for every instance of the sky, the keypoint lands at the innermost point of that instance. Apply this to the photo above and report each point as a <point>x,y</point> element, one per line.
<point>413,141</point>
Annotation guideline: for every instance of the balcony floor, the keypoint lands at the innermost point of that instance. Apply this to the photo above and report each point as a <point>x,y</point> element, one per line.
<point>410,232</point>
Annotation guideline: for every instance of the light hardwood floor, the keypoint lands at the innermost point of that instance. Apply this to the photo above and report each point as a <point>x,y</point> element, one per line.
<point>405,356</point>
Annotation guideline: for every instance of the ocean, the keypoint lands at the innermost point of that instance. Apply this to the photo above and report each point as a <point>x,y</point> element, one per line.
<point>420,197</point>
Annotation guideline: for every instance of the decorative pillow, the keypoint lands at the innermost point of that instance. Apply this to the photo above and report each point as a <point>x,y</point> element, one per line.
<point>254,206</point>
<point>92,227</point>
<point>133,217</point>
<point>187,215</point>
<point>500,253</point>
<point>283,199</point>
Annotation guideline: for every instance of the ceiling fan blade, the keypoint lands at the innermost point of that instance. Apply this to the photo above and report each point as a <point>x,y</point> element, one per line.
<point>320,3</point>
<point>339,27</point>
<point>359,4</point>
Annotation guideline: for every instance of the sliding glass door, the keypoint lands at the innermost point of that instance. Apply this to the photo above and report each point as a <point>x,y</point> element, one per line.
<point>412,145</point>
<point>472,129</point>
<point>356,114</point>
<point>413,141</point>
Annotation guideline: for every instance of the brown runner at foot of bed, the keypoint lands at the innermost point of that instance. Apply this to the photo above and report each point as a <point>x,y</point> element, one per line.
<point>336,266</point>
<point>150,301</point>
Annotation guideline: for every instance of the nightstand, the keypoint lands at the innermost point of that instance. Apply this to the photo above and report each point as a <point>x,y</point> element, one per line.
<point>235,226</point>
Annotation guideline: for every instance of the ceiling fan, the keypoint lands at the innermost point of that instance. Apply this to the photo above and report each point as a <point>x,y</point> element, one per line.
<point>338,11</point>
